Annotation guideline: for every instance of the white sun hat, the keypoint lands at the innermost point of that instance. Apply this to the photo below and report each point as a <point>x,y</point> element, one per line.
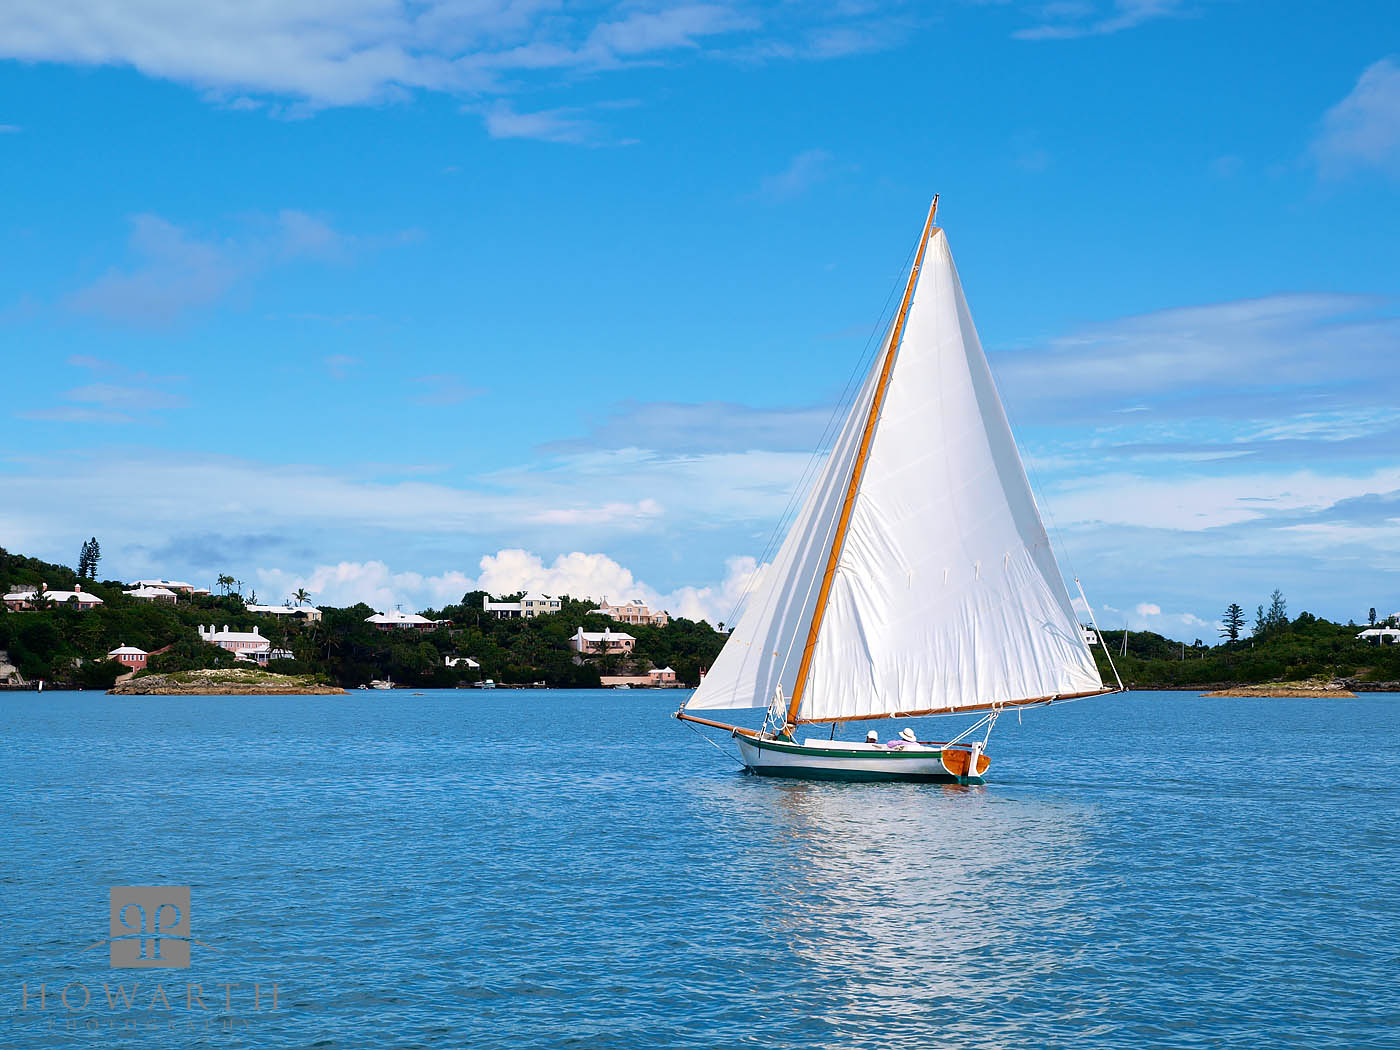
<point>871,737</point>
<point>908,734</point>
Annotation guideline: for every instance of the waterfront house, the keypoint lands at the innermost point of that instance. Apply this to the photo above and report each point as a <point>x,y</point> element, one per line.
<point>461,661</point>
<point>633,612</point>
<point>531,605</point>
<point>662,675</point>
<point>130,657</point>
<point>159,595</point>
<point>309,613</point>
<point>600,643</point>
<point>9,673</point>
<point>245,645</point>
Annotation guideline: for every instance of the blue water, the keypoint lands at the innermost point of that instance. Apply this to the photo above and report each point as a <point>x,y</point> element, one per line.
<point>548,869</point>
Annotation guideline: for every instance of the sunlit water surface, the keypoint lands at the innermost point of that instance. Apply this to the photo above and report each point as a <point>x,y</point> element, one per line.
<point>552,869</point>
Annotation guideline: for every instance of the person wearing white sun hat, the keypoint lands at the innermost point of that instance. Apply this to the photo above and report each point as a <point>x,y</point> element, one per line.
<point>906,739</point>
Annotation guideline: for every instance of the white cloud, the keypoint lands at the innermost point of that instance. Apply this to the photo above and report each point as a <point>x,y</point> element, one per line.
<point>1363,129</point>
<point>599,514</point>
<point>503,121</point>
<point>175,271</point>
<point>368,51</point>
<point>1068,20</point>
<point>591,577</point>
<point>1148,609</point>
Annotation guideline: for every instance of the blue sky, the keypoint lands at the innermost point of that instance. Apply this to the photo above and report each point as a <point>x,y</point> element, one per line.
<point>391,300</point>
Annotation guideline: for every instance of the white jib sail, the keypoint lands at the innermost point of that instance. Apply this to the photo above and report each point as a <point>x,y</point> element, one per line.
<point>765,649</point>
<point>946,594</point>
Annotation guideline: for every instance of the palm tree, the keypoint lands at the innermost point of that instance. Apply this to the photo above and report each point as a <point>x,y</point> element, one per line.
<point>301,596</point>
<point>225,582</point>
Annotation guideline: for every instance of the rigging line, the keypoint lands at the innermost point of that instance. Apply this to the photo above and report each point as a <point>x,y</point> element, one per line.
<point>707,740</point>
<point>831,428</point>
<point>1102,644</point>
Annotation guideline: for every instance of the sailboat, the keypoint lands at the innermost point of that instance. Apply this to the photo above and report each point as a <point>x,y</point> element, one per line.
<point>917,578</point>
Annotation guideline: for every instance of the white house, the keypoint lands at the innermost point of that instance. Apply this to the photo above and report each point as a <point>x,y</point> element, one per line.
<point>245,645</point>
<point>596,643</point>
<point>532,605</point>
<point>1091,636</point>
<point>1381,635</point>
<point>633,612</point>
<point>309,613</point>
<point>178,586</point>
<point>163,595</point>
<point>396,620</point>
<point>461,661</point>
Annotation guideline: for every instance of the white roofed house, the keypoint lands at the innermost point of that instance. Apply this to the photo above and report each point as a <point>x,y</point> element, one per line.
<point>130,657</point>
<point>1380,635</point>
<point>161,595</point>
<point>245,645</point>
<point>177,586</point>
<point>21,598</point>
<point>309,613</point>
<point>77,598</point>
<point>601,643</point>
<point>29,597</point>
<point>396,620</point>
<point>531,605</point>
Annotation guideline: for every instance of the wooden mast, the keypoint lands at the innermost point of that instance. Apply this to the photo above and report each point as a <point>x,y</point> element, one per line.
<point>843,523</point>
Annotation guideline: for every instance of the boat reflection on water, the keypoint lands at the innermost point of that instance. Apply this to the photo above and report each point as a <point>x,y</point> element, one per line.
<point>916,910</point>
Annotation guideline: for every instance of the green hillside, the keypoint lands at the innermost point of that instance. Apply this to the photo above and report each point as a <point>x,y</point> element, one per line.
<point>64,646</point>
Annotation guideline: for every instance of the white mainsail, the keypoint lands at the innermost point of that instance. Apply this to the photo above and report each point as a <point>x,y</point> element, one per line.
<point>946,594</point>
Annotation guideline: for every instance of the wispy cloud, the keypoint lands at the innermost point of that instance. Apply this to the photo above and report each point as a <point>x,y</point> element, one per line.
<point>565,125</point>
<point>1363,129</point>
<point>10,129</point>
<point>1068,19</point>
<point>804,171</point>
<point>698,428</point>
<point>116,396</point>
<point>311,55</point>
<point>174,272</point>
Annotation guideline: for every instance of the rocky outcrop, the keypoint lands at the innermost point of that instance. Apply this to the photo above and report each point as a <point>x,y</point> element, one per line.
<point>1309,689</point>
<point>224,681</point>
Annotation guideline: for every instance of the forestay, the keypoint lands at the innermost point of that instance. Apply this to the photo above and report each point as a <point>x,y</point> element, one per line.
<point>946,594</point>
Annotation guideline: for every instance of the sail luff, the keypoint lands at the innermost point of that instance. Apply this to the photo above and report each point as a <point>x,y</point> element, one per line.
<point>843,522</point>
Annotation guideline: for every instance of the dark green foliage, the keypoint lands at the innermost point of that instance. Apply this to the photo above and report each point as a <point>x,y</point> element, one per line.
<point>1307,647</point>
<point>88,558</point>
<point>1232,622</point>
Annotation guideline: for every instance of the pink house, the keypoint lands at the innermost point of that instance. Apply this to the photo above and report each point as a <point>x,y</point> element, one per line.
<point>130,657</point>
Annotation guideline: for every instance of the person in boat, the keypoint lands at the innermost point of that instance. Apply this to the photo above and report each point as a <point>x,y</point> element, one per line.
<point>906,739</point>
<point>872,737</point>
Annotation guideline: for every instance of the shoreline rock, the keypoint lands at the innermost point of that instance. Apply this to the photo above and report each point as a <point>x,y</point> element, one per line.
<point>234,681</point>
<point>1289,690</point>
